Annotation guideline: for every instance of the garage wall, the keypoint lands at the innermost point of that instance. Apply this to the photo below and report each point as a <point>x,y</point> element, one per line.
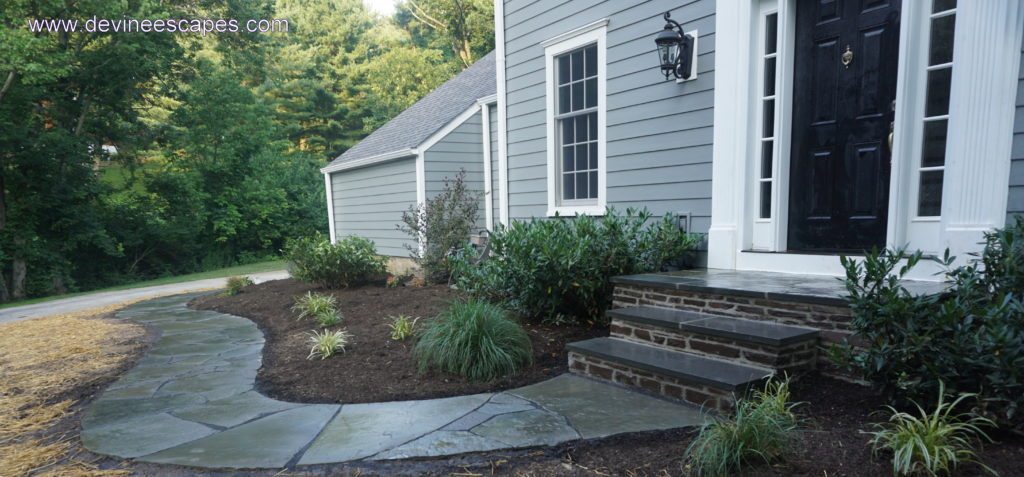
<point>369,201</point>
<point>462,148</point>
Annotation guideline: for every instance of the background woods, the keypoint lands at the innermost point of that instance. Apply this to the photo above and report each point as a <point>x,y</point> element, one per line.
<point>135,155</point>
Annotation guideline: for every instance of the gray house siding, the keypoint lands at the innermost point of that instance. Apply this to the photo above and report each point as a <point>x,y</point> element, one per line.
<point>1016,202</point>
<point>460,149</point>
<point>369,201</point>
<point>659,133</point>
<point>495,177</point>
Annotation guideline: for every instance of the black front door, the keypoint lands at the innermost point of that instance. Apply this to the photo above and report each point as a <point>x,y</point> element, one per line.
<point>844,91</point>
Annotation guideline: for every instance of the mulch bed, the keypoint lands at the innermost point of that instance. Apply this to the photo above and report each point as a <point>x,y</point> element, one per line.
<point>835,412</point>
<point>374,368</point>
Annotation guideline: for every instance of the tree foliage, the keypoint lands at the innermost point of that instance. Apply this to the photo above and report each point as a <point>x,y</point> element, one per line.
<point>220,137</point>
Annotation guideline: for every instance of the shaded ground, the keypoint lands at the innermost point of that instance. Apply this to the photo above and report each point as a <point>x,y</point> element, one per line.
<point>374,368</point>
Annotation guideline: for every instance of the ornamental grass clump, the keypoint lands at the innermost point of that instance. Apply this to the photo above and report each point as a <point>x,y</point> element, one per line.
<point>933,443</point>
<point>474,339</point>
<point>236,284</point>
<point>314,304</point>
<point>327,343</point>
<point>402,327</point>
<point>762,429</point>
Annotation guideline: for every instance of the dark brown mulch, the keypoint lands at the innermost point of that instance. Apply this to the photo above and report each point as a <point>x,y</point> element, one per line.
<point>374,368</point>
<point>832,444</point>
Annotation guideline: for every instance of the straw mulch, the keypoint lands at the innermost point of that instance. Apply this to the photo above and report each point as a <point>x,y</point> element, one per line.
<point>47,366</point>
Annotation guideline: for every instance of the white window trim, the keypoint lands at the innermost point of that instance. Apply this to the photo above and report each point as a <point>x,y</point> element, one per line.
<point>595,32</point>
<point>987,57</point>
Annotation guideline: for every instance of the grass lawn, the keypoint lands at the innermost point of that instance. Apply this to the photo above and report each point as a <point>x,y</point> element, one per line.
<point>270,266</point>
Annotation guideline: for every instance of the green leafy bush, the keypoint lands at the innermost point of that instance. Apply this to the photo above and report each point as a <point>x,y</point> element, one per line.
<point>236,284</point>
<point>970,338</point>
<point>441,227</point>
<point>560,270</point>
<point>402,327</point>
<point>933,443</point>
<point>351,261</point>
<point>762,429</point>
<point>474,339</point>
<point>327,343</point>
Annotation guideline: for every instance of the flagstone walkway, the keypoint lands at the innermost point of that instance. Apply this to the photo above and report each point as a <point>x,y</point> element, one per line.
<point>191,401</point>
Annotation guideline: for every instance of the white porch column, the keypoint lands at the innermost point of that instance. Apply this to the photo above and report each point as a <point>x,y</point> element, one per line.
<point>729,151</point>
<point>330,205</point>
<point>986,65</point>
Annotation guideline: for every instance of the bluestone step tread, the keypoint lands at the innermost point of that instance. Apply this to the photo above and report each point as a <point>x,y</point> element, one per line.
<point>688,367</point>
<point>753,331</point>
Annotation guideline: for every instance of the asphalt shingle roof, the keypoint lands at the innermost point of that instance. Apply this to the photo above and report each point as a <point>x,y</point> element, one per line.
<point>417,123</point>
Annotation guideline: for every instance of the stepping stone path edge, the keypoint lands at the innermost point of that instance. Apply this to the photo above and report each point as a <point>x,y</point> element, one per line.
<point>192,401</point>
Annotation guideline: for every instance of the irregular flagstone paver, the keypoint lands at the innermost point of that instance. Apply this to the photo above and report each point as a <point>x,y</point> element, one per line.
<point>191,401</point>
<point>599,410</point>
<point>268,442</point>
<point>235,410</point>
<point>362,430</point>
<point>143,435</point>
<point>527,428</point>
<point>443,443</point>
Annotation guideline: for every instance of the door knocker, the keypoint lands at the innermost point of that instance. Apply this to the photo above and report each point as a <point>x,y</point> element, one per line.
<point>847,56</point>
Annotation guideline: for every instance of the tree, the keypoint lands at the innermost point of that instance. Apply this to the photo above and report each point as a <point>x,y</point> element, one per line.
<point>466,26</point>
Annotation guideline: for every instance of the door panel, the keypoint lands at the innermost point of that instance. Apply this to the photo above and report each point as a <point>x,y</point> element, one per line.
<point>840,164</point>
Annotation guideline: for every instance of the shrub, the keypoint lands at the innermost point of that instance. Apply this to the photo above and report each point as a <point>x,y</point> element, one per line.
<point>933,443</point>
<point>761,430</point>
<point>474,339</point>
<point>327,343</point>
<point>402,327</point>
<point>314,304</point>
<point>351,261</point>
<point>236,284</point>
<point>560,270</point>
<point>441,227</point>
<point>971,338</point>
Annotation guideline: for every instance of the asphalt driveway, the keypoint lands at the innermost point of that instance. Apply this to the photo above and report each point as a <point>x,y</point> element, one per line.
<point>103,299</point>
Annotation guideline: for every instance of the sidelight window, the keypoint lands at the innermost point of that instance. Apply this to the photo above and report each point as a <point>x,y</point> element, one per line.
<point>768,55</point>
<point>939,74</point>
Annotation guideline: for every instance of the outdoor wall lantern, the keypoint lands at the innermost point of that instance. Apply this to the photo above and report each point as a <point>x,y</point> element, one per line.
<point>676,50</point>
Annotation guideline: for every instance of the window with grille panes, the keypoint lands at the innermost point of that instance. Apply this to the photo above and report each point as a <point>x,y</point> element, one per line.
<point>576,124</point>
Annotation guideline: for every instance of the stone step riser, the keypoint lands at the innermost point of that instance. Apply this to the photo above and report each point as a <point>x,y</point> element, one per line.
<point>788,358</point>
<point>699,394</point>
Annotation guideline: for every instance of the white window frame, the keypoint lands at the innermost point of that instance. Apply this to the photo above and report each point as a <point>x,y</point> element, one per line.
<point>765,233</point>
<point>593,33</point>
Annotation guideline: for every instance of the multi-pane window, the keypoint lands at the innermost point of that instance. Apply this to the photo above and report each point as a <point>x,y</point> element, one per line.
<point>936,108</point>
<point>576,123</point>
<point>766,93</point>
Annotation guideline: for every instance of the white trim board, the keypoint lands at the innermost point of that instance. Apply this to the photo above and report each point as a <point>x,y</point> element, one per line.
<point>485,122</point>
<point>369,161</point>
<point>329,187</point>
<point>499,46</point>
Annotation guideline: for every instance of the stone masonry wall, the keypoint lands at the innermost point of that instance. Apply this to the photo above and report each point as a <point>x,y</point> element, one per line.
<point>794,357</point>
<point>833,321</point>
<point>666,386</point>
